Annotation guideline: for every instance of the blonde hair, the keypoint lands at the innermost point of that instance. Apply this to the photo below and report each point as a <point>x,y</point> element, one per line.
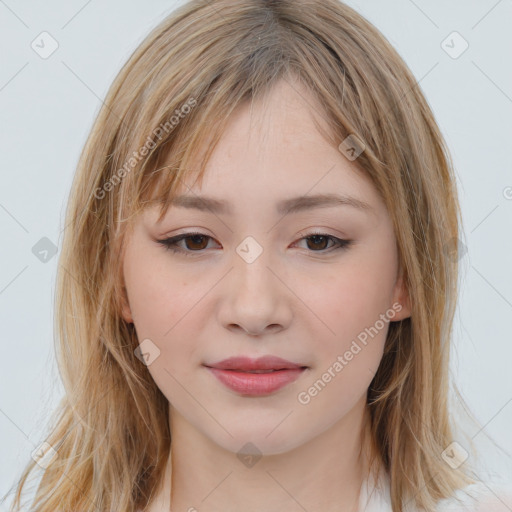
<point>181,86</point>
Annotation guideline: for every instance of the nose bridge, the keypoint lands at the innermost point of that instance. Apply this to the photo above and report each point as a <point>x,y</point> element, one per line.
<point>251,263</point>
<point>254,299</point>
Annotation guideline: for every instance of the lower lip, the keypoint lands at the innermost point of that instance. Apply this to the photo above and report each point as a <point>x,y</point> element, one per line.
<point>256,384</point>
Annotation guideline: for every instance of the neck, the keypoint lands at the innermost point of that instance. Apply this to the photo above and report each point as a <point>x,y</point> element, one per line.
<point>324,473</point>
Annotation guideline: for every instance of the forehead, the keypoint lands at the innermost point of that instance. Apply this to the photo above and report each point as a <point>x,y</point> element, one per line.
<point>274,151</point>
<point>279,140</point>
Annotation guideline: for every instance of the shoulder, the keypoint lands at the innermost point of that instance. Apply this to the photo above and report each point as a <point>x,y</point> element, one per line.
<point>495,496</point>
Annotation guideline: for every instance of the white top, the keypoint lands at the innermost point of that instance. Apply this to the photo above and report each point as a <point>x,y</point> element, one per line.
<point>495,496</point>
<point>478,497</point>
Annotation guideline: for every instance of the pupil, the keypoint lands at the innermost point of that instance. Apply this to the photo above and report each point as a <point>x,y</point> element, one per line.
<point>316,237</point>
<point>194,239</point>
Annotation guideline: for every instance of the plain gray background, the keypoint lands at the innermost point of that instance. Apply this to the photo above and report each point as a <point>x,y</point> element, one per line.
<point>48,106</point>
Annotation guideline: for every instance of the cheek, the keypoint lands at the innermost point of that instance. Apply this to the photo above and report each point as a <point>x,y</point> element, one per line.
<point>355,309</point>
<point>158,294</point>
<point>162,307</point>
<point>352,298</point>
<point>350,339</point>
<point>165,304</point>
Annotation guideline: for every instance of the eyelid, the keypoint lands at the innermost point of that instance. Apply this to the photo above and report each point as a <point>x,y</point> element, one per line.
<point>170,243</point>
<point>340,243</point>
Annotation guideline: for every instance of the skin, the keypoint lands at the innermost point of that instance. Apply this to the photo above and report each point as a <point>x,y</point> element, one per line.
<point>303,301</point>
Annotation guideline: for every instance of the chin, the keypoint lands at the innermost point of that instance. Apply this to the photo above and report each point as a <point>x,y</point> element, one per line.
<point>259,442</point>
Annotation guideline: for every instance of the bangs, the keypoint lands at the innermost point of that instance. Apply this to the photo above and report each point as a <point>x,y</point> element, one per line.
<point>252,65</point>
<point>185,152</point>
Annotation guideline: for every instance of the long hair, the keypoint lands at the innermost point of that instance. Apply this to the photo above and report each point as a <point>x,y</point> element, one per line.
<point>176,92</point>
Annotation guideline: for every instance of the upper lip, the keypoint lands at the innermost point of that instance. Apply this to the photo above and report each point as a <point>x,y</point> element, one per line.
<point>261,363</point>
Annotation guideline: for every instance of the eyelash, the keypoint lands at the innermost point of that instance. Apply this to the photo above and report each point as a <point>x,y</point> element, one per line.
<point>171,243</point>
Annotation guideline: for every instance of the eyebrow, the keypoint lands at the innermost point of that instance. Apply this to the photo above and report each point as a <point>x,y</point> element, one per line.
<point>284,206</point>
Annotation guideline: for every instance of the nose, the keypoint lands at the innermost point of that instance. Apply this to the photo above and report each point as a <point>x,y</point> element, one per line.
<point>255,300</point>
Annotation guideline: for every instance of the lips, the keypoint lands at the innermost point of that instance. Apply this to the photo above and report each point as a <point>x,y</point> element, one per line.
<point>262,364</point>
<point>256,377</point>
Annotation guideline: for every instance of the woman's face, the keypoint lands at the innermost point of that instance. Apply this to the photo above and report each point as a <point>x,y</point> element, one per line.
<point>257,281</point>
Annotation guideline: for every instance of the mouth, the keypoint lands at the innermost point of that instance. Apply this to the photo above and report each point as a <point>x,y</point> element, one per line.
<point>258,371</point>
<point>256,377</point>
<point>256,365</point>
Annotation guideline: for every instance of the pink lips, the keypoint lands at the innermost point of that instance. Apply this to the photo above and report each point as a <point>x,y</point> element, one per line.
<point>240,374</point>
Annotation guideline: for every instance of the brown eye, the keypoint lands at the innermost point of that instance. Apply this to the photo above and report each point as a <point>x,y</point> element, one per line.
<point>196,244</point>
<point>190,243</point>
<point>319,242</point>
